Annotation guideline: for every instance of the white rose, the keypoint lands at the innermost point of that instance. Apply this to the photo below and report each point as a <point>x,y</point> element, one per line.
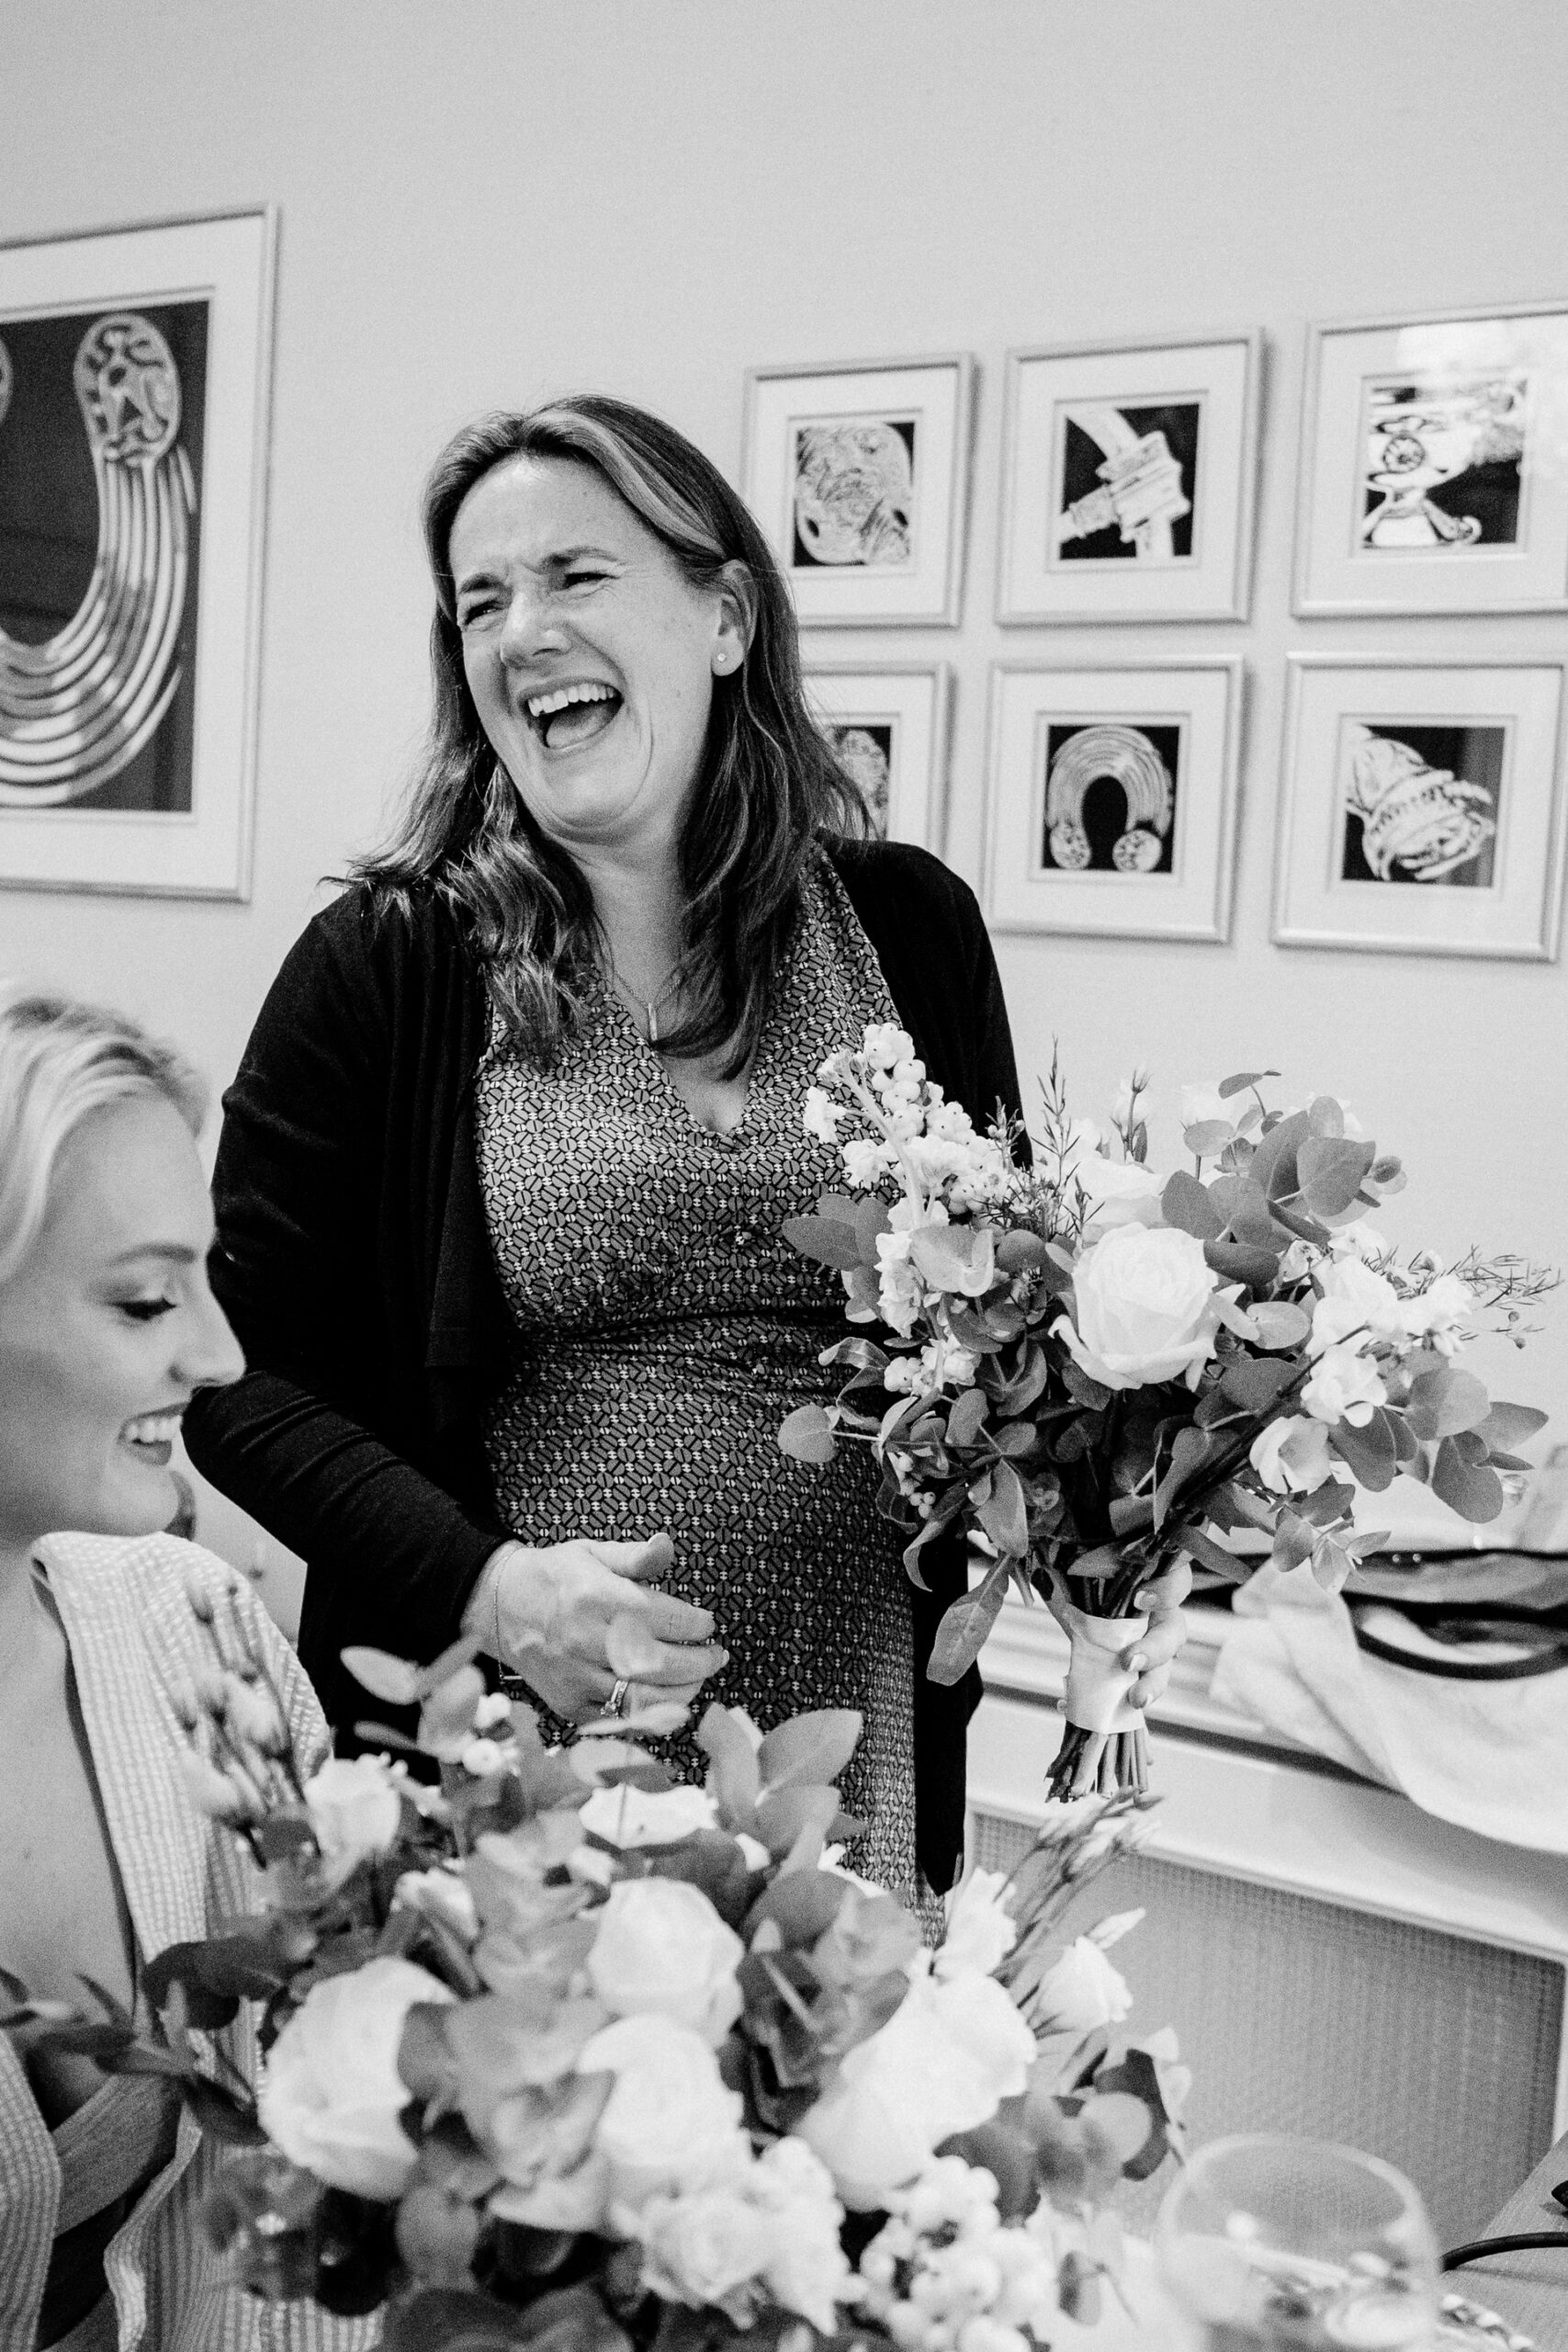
<point>1202,1103</point>
<point>1344,1387</point>
<point>1081,1991</point>
<point>949,2055</point>
<point>355,1807</point>
<point>1291,1455</point>
<point>627,1816</point>
<point>700,2248</point>
<point>331,2093</point>
<point>1120,1192</point>
<point>1350,1283</point>
<point>1147,1308</point>
<point>662,1950</point>
<point>981,1930</point>
<point>669,2125</point>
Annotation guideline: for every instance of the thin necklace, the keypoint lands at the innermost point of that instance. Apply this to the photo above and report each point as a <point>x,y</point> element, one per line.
<point>648,1006</point>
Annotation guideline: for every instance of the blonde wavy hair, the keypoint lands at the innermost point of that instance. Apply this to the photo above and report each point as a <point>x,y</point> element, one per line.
<point>59,1061</point>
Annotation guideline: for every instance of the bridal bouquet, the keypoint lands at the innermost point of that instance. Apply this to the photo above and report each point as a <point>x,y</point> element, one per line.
<point>1086,1367</point>
<point>561,2052</point>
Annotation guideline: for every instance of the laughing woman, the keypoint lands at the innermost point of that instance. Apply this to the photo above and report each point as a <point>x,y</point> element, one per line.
<point>107,1329</point>
<point>503,1172</point>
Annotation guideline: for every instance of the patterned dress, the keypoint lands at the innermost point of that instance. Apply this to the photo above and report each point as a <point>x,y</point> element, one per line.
<point>664,1329</point>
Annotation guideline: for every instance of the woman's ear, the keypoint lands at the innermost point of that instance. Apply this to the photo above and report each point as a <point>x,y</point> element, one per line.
<point>736,618</point>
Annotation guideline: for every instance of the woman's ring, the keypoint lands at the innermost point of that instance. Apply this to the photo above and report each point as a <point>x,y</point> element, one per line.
<point>617,1698</point>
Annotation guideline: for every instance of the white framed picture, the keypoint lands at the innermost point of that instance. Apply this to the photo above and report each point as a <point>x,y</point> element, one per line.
<point>1432,474</point>
<point>1111,799</point>
<point>1422,808</point>
<point>889,728</point>
<point>859,476</point>
<point>1128,475</point>
<point>134,376</point>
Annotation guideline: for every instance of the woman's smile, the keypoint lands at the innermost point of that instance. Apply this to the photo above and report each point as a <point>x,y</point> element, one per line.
<point>568,716</point>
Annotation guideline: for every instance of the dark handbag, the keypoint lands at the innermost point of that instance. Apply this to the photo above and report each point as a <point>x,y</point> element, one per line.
<point>1468,1599</point>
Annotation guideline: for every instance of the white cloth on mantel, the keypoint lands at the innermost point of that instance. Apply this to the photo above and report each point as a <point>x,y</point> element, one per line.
<point>1491,1755</point>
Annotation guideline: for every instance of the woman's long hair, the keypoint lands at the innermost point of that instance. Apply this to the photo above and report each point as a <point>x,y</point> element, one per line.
<point>768,788</point>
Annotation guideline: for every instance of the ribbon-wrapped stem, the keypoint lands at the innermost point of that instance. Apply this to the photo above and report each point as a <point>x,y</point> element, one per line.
<point>1105,1747</point>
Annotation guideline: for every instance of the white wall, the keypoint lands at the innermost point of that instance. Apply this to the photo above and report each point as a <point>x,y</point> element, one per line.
<point>484,203</point>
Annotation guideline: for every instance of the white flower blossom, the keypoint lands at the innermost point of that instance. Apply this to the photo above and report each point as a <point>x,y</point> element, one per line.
<point>820,1115</point>
<point>1290,1456</point>
<point>1440,1314</point>
<point>1345,1386</point>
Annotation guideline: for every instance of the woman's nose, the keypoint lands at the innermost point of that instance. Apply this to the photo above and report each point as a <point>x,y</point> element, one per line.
<point>531,627</point>
<point>211,1356</point>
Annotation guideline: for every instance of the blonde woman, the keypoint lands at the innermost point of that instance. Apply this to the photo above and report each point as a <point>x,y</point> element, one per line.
<point>107,1329</point>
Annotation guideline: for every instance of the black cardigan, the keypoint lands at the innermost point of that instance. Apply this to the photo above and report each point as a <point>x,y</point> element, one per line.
<point>354,1264</point>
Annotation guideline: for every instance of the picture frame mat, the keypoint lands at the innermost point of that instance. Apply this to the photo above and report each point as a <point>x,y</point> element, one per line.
<point>929,594</point>
<point>1332,576</point>
<point>1193,903</point>
<point>1225,370</point>
<point>230,259</point>
<point>1517,918</point>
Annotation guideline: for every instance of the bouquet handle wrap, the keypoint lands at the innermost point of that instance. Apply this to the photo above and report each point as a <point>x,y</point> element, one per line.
<point>1098,1682</point>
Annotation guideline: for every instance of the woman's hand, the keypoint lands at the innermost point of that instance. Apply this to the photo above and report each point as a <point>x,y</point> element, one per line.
<point>553,1605</point>
<point>1160,1600</point>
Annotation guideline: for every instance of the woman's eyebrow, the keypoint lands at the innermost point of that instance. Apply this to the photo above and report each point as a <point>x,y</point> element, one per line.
<point>177,1252</point>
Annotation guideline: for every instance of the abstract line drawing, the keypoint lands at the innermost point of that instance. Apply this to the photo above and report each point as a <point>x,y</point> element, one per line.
<point>1142,496</point>
<point>1444,462</point>
<point>1419,823</point>
<point>1127,757</point>
<point>854,492</point>
<point>78,709</point>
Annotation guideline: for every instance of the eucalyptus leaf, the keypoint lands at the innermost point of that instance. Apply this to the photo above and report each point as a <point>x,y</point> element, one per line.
<point>1239,1261</point>
<point>1280,1323</point>
<point>1185,1203</point>
<point>1022,1253</point>
<point>813,1747</point>
<point>1241,1080</point>
<point>1442,1403</point>
<point>1252,1382</point>
<point>806,1435</point>
<point>391,1679</point>
<point>1469,1488</point>
<point>1330,1169</point>
<point>1325,1116</point>
<point>962,1634</point>
<point>829,1242</point>
<point>968,1415</point>
<point>1274,1164</point>
<point>1371,1453</point>
<point>1507,1426</point>
<point>1206,1138</point>
<point>1003,1515</point>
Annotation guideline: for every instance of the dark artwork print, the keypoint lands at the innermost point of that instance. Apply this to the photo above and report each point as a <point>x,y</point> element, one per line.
<point>100,410</point>
<point>865,747</point>
<point>1129,482</point>
<point>1421,803</point>
<point>1444,463</point>
<point>1111,795</point>
<point>853,493</point>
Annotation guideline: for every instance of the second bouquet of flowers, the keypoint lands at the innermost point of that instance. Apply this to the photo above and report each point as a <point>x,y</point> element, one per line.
<point>1085,1368</point>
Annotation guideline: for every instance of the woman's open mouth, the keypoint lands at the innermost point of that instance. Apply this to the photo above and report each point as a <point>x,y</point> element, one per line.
<point>568,716</point>
<point>150,1437</point>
